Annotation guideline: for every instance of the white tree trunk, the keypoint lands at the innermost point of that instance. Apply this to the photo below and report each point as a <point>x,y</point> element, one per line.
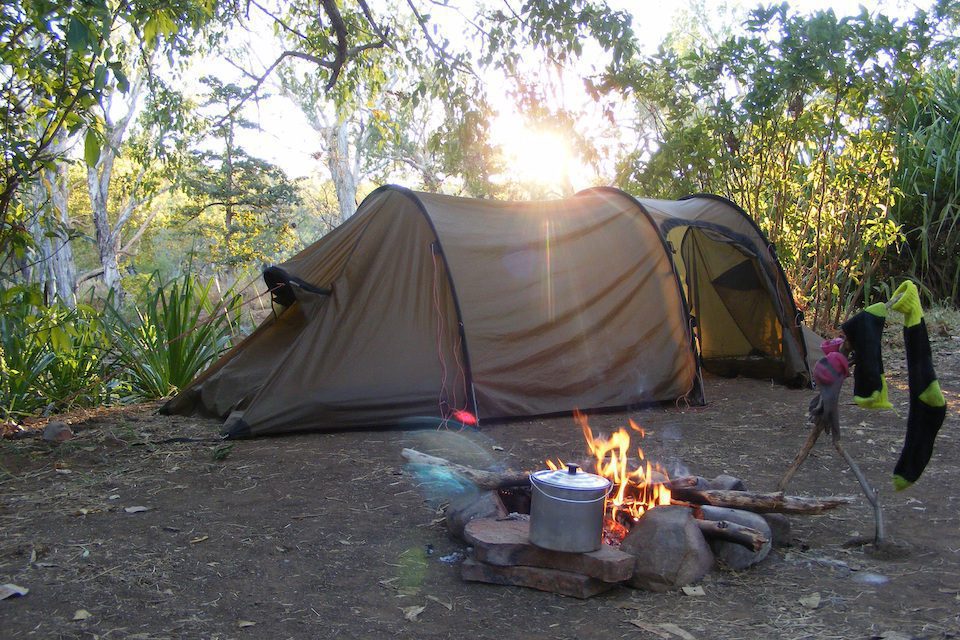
<point>98,185</point>
<point>341,168</point>
<point>63,269</point>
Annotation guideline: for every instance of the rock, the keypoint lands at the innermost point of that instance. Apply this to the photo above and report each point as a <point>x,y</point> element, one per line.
<point>670,551</point>
<point>565,583</point>
<point>780,528</point>
<point>723,482</point>
<point>57,432</point>
<point>730,554</point>
<point>465,508</point>
<point>506,543</point>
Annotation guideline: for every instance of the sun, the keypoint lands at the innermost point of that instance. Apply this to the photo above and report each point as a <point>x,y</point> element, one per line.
<point>538,160</point>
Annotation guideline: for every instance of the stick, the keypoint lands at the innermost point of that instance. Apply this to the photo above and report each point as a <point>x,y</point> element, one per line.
<point>873,495</point>
<point>815,431</point>
<point>483,479</point>
<point>762,502</point>
<point>733,532</point>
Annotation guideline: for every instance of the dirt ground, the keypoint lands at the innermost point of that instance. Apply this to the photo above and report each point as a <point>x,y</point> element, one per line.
<point>328,535</point>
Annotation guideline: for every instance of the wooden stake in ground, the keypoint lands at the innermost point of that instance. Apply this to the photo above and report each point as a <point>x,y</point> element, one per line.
<point>824,415</point>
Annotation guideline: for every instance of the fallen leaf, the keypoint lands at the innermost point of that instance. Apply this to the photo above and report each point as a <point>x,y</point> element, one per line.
<point>695,590</point>
<point>651,628</point>
<point>411,613</point>
<point>137,509</point>
<point>677,631</point>
<point>63,471</point>
<point>497,448</point>
<point>245,623</point>
<point>442,603</point>
<point>81,614</point>
<point>892,635</point>
<point>10,589</point>
<point>812,601</point>
<point>200,539</point>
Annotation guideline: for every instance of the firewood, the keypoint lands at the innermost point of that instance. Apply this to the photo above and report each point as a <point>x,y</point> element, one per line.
<point>481,478</point>
<point>733,532</point>
<point>748,500</point>
<point>762,502</point>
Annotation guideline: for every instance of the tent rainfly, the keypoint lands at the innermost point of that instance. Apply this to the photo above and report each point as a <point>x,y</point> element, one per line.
<point>425,305</point>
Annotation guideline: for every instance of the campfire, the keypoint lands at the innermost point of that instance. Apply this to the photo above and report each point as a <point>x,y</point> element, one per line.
<point>635,491</point>
<point>658,532</point>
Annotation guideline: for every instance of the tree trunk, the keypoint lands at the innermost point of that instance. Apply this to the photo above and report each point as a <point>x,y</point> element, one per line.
<point>98,185</point>
<point>63,269</point>
<point>98,182</point>
<point>341,171</point>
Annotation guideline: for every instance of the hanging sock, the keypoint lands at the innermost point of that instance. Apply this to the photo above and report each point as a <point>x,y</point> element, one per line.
<point>928,408</point>
<point>864,332</point>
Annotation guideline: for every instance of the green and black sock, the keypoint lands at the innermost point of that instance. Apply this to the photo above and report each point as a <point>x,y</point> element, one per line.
<point>928,408</point>
<point>864,332</point>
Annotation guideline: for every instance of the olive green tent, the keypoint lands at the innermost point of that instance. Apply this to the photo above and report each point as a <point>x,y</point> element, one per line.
<point>428,305</point>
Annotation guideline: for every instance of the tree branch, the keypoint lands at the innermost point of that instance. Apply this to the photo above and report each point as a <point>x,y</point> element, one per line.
<point>340,31</point>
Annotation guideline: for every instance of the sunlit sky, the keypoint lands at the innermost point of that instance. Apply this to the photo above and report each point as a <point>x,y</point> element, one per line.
<point>287,140</point>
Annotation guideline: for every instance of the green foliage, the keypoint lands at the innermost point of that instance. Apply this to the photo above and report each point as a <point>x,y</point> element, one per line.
<point>180,328</point>
<point>52,358</point>
<point>56,59</point>
<point>928,179</point>
<point>794,120</point>
<point>243,204</point>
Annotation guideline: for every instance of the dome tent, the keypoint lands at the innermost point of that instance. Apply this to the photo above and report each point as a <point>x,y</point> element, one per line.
<point>423,304</point>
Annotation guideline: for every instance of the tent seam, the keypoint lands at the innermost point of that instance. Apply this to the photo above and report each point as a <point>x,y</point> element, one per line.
<point>685,307</point>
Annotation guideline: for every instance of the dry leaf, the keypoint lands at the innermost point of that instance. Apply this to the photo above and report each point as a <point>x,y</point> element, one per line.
<point>893,635</point>
<point>448,605</point>
<point>812,601</point>
<point>63,471</point>
<point>81,614</point>
<point>10,589</point>
<point>200,539</point>
<point>695,590</point>
<point>650,628</point>
<point>137,509</point>
<point>411,613</point>
<point>677,631</point>
<point>245,623</point>
<point>664,630</point>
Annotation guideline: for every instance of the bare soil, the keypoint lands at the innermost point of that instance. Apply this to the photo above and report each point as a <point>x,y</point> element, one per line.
<point>327,534</point>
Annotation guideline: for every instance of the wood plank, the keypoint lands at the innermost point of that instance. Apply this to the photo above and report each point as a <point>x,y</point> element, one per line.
<point>506,543</point>
<point>565,583</point>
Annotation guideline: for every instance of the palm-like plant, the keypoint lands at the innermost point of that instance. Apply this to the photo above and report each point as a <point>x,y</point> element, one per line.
<point>179,330</point>
<point>928,146</point>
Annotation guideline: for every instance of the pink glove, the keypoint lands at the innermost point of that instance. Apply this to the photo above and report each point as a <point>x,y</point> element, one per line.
<point>831,346</point>
<point>830,369</point>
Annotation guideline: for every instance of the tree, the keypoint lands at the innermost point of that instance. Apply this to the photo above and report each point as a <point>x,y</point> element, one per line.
<point>57,58</point>
<point>407,94</point>
<point>253,196</point>
<point>794,121</point>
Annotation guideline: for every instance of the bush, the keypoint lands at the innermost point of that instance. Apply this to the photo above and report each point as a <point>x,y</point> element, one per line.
<point>52,358</point>
<point>179,330</point>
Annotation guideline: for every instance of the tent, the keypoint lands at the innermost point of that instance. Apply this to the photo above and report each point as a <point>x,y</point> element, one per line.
<point>429,305</point>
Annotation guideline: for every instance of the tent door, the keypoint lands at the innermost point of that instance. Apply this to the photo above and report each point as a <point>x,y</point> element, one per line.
<point>732,300</point>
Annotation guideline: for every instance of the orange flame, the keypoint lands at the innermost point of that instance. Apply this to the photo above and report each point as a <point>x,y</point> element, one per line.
<point>634,491</point>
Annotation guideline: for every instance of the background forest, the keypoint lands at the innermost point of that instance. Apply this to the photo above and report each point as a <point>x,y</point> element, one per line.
<point>156,156</point>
